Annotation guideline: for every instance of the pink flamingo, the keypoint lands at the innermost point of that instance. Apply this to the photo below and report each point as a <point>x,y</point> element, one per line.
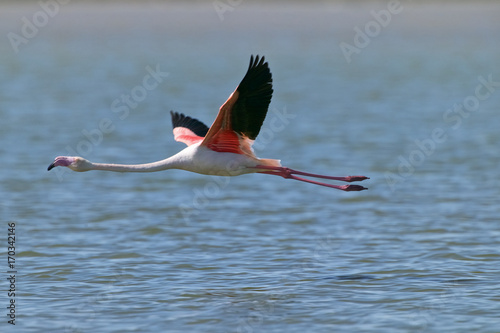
<point>224,149</point>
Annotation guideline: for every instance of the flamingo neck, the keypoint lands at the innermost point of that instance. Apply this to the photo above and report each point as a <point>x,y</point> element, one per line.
<point>169,163</point>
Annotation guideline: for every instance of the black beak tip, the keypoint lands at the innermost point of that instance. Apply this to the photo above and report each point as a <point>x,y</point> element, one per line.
<point>50,167</point>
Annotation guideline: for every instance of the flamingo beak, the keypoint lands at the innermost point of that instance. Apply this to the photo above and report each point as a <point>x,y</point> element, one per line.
<point>61,161</point>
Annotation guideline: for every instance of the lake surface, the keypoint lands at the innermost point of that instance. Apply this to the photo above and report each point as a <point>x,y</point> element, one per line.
<point>408,95</point>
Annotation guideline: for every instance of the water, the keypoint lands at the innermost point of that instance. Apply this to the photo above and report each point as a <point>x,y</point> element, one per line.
<point>176,252</point>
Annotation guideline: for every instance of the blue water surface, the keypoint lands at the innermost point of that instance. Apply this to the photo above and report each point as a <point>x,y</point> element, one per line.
<point>410,106</point>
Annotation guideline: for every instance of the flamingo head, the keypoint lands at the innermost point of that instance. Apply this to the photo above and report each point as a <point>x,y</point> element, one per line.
<point>75,163</point>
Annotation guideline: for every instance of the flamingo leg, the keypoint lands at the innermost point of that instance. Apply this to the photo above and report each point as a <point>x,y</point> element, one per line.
<point>289,174</point>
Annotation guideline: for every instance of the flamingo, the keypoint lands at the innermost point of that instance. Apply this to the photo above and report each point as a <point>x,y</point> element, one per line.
<point>224,149</point>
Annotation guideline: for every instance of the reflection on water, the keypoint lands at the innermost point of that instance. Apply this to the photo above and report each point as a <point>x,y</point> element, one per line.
<point>178,251</point>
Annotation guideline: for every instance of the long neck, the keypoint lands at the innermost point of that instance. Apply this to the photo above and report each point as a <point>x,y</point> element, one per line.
<point>169,163</point>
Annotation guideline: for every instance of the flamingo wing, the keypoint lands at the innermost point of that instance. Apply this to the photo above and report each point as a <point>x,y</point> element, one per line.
<point>240,118</point>
<point>186,129</point>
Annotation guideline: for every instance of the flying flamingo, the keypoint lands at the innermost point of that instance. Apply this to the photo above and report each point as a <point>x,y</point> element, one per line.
<point>224,149</point>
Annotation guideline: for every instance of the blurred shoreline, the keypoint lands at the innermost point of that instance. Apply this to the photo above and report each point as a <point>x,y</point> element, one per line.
<point>247,2</point>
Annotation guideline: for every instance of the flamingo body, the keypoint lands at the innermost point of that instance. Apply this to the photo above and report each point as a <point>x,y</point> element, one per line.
<point>224,149</point>
<point>203,160</point>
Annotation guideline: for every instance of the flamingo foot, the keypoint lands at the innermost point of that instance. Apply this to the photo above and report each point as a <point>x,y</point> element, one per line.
<point>288,173</point>
<point>348,188</point>
<point>355,178</point>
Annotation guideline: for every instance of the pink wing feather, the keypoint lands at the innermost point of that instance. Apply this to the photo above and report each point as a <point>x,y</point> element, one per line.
<point>187,130</point>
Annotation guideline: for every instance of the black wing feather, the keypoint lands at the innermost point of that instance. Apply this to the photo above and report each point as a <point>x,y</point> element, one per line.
<point>255,92</point>
<point>180,120</point>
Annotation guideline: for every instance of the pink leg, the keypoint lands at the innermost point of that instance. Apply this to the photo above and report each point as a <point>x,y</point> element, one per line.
<point>289,174</point>
<point>343,179</point>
